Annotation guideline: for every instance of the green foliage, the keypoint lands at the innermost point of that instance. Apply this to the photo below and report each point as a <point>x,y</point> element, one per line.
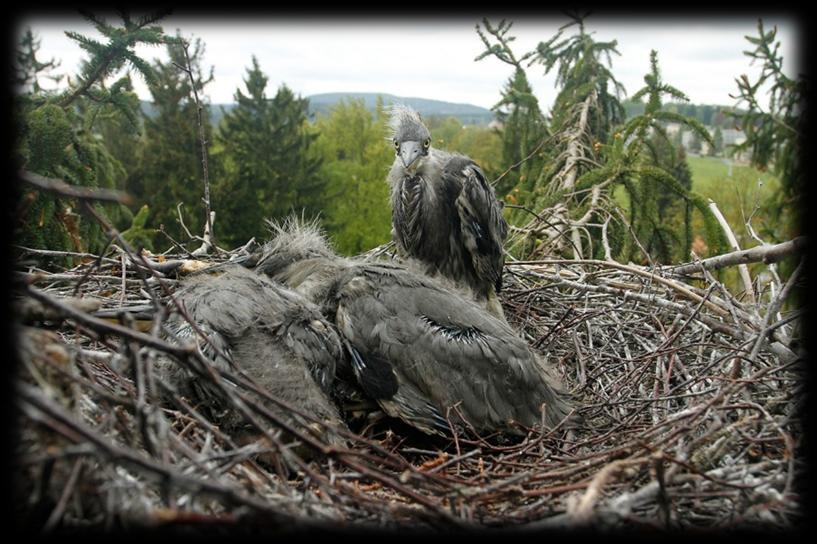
<point>717,142</point>
<point>59,136</point>
<point>548,164</point>
<point>105,59</point>
<point>138,235</point>
<point>598,146</point>
<point>47,134</point>
<point>661,199</point>
<point>482,144</point>
<point>170,167</point>
<point>356,160</point>
<point>524,128</point>
<point>580,71</point>
<point>27,69</point>
<point>270,169</point>
<point>774,134</point>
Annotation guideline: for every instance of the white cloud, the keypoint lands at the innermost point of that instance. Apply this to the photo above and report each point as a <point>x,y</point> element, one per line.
<point>435,59</point>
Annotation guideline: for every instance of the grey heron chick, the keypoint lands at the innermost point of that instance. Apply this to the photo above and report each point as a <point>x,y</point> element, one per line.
<point>424,353</point>
<point>444,212</point>
<point>265,331</point>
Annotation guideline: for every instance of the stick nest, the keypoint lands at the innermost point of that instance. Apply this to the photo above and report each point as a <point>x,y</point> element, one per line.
<point>691,405</point>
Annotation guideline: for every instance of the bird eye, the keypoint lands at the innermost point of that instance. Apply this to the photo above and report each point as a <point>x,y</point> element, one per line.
<point>427,143</point>
<point>396,144</point>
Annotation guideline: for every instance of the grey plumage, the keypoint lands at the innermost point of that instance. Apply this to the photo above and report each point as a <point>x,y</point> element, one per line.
<point>416,348</point>
<point>444,212</point>
<point>269,333</point>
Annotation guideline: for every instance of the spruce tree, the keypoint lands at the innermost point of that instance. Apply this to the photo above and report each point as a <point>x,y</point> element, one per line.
<point>774,131</point>
<point>524,128</point>
<point>270,169</point>
<point>717,143</point>
<point>58,133</point>
<point>28,69</point>
<point>170,157</point>
<point>586,109</point>
<point>356,159</point>
<point>649,168</point>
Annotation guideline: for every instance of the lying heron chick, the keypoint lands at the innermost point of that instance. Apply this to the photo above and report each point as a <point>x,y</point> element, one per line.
<point>426,354</point>
<point>444,212</point>
<point>270,334</point>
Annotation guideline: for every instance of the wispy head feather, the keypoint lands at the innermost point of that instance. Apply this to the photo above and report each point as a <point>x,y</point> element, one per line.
<point>406,124</point>
<point>293,239</point>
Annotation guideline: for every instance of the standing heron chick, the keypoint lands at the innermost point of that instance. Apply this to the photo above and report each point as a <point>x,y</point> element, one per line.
<point>444,213</point>
<point>270,334</point>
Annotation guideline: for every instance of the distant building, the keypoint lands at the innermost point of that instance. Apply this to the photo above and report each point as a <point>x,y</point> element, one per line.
<point>672,128</point>
<point>733,136</point>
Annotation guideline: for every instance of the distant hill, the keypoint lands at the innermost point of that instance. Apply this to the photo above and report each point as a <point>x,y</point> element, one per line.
<point>468,114</point>
<point>216,110</point>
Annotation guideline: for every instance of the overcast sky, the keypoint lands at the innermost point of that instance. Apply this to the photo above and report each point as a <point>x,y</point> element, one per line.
<point>434,57</point>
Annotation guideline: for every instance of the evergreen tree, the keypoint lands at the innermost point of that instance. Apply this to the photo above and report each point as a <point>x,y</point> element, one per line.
<point>523,130</point>
<point>170,157</point>
<point>774,133</point>
<point>270,168</point>
<point>670,238</point>
<point>28,69</point>
<point>717,142</point>
<point>583,116</point>
<point>58,137</point>
<point>524,127</point>
<point>583,72</point>
<point>108,58</point>
<point>651,170</point>
<point>695,145</point>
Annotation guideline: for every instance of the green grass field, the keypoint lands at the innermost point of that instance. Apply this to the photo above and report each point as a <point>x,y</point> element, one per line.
<point>738,194</point>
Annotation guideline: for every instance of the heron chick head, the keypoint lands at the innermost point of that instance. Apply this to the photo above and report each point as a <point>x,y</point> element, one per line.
<point>410,137</point>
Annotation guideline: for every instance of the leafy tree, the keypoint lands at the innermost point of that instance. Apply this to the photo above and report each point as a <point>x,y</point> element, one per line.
<point>482,144</point>
<point>444,131</point>
<point>268,159</point>
<point>356,160</point>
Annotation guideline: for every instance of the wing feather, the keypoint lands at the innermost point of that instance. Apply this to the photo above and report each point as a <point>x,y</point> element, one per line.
<point>443,351</point>
<point>483,229</point>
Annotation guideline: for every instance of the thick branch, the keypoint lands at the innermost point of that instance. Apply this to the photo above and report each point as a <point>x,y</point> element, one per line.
<point>61,188</point>
<point>766,253</point>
